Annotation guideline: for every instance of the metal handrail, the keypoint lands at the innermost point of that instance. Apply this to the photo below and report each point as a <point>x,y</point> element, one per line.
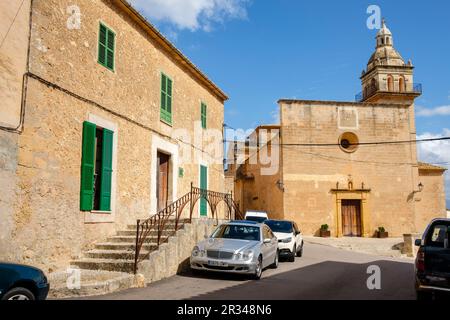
<point>159,222</point>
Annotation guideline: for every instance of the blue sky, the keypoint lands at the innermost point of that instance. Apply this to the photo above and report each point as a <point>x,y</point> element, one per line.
<point>259,51</point>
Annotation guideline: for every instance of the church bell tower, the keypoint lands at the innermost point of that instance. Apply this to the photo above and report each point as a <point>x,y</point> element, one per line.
<point>388,79</point>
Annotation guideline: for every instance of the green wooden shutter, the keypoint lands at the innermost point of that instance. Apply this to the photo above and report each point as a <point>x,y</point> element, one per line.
<point>203,186</point>
<point>103,35</point>
<point>166,99</point>
<point>203,115</point>
<point>106,47</point>
<point>87,167</point>
<point>110,50</point>
<point>107,157</point>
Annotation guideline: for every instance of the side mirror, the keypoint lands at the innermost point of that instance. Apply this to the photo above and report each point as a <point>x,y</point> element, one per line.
<point>418,242</point>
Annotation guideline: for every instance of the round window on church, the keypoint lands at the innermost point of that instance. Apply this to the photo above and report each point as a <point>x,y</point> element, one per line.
<point>348,142</point>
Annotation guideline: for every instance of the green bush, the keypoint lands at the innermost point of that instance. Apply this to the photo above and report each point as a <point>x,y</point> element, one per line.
<point>381,230</point>
<point>324,227</point>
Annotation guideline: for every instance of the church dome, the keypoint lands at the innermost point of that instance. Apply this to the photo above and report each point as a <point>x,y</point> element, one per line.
<point>385,53</point>
<point>385,56</point>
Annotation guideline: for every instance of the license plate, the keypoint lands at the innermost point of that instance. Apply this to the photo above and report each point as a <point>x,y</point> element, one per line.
<point>216,264</point>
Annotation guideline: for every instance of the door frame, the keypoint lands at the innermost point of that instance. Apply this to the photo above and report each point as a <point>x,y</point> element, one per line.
<point>159,144</point>
<point>363,195</point>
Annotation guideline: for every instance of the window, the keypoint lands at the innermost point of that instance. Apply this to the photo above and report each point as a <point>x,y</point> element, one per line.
<point>96,168</point>
<point>437,235</point>
<point>401,84</point>
<point>106,47</point>
<point>166,99</point>
<point>348,142</point>
<point>203,115</point>
<point>390,83</point>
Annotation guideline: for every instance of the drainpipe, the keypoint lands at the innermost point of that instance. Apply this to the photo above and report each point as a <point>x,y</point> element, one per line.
<point>19,128</point>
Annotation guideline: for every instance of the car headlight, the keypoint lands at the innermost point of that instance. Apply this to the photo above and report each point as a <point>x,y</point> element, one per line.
<point>248,255</point>
<point>195,251</point>
<point>287,240</point>
<point>245,256</point>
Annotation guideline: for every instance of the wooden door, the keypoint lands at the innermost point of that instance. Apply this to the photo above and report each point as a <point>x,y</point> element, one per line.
<point>351,218</point>
<point>163,180</point>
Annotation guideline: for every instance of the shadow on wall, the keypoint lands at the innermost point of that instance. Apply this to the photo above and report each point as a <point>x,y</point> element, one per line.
<point>329,280</point>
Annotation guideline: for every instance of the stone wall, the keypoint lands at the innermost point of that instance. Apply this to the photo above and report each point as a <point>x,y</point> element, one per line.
<point>430,202</point>
<point>14,31</point>
<point>47,228</point>
<point>13,58</point>
<point>173,257</point>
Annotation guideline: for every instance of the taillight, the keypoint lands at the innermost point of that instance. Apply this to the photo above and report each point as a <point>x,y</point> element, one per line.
<point>420,261</point>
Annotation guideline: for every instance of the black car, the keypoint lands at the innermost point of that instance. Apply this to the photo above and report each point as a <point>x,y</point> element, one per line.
<point>433,261</point>
<point>19,282</point>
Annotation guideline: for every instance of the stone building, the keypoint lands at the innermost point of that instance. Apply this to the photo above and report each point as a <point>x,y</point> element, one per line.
<point>99,114</point>
<point>350,165</point>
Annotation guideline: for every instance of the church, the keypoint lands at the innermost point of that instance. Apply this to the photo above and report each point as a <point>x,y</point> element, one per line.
<point>350,165</point>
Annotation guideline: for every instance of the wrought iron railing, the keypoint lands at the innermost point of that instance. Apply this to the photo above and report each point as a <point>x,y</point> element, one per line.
<point>161,223</point>
<point>373,89</point>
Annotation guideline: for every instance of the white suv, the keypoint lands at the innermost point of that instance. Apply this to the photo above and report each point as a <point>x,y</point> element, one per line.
<point>256,216</point>
<point>290,240</point>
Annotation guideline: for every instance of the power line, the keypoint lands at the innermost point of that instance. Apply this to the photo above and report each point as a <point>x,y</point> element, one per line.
<point>352,144</point>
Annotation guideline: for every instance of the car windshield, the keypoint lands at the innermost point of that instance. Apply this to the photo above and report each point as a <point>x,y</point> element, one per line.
<point>256,219</point>
<point>238,232</point>
<point>280,226</point>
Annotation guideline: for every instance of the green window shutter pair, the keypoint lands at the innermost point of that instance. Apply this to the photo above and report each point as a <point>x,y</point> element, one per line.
<point>106,47</point>
<point>203,186</point>
<point>166,98</point>
<point>88,168</point>
<point>203,117</point>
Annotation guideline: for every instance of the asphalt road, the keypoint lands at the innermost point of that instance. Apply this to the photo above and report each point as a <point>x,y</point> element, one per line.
<point>323,273</point>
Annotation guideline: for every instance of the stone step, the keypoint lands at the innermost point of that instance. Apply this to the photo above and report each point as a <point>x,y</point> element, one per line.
<point>105,264</point>
<point>114,254</point>
<point>153,233</point>
<point>124,246</point>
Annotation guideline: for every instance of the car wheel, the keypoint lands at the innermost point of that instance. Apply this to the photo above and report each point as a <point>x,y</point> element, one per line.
<point>19,294</point>
<point>300,252</point>
<point>258,270</point>
<point>293,253</point>
<point>276,261</point>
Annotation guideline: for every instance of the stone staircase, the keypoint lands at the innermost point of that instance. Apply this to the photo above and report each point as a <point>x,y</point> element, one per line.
<point>117,252</point>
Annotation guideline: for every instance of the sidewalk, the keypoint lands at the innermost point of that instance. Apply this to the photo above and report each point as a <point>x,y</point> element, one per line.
<point>390,247</point>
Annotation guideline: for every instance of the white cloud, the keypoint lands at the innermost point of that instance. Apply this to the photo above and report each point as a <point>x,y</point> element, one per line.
<point>437,152</point>
<point>430,112</point>
<point>192,14</point>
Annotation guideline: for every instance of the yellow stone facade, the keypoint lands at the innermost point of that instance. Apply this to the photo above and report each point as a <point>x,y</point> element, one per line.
<point>41,222</point>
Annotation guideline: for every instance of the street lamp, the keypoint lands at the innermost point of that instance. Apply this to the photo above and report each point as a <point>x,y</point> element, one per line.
<point>420,187</point>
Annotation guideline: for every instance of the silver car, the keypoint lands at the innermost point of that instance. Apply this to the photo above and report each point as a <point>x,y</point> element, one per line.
<point>242,247</point>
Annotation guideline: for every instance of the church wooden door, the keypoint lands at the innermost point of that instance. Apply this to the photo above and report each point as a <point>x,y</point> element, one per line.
<point>351,218</point>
